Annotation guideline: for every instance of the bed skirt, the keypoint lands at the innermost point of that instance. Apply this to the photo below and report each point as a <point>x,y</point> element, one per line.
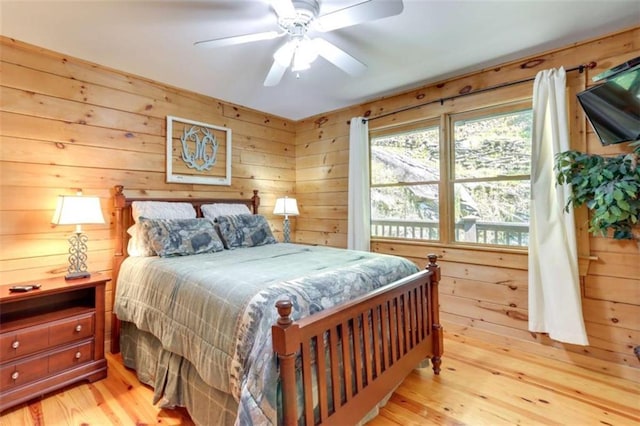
<point>176,382</point>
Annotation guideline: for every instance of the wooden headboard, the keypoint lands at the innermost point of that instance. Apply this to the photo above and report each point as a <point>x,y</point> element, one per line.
<point>124,219</point>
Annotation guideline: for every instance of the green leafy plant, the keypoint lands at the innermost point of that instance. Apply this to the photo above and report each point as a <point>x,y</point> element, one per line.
<point>609,186</point>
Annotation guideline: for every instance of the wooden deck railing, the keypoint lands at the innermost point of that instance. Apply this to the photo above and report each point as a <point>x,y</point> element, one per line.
<point>467,229</point>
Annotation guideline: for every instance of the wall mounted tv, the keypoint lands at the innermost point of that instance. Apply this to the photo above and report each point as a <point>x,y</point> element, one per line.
<point>613,107</point>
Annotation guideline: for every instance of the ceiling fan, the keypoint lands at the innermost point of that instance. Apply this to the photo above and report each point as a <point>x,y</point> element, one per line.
<point>295,19</point>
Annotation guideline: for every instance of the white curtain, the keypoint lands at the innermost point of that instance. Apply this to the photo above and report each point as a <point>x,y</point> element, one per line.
<point>554,289</point>
<point>359,216</point>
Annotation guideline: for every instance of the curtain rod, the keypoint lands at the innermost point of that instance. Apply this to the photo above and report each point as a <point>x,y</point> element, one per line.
<point>579,68</point>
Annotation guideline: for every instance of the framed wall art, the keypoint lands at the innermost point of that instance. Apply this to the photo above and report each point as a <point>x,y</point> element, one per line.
<point>198,152</point>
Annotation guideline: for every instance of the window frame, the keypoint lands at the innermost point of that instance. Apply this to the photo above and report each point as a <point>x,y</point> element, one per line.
<point>446,202</point>
<point>417,125</point>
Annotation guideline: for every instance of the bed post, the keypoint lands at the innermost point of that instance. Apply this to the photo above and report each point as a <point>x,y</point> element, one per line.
<point>119,201</point>
<point>438,343</point>
<point>286,341</point>
<point>255,201</point>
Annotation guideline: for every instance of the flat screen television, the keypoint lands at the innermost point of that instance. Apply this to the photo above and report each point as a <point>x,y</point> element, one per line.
<point>613,107</point>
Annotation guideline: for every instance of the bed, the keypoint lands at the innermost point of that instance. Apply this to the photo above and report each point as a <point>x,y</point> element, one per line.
<point>270,333</point>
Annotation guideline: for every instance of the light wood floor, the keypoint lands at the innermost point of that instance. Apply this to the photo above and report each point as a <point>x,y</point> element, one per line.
<point>480,384</point>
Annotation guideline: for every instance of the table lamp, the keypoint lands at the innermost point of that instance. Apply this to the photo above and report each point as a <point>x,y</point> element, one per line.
<point>286,207</point>
<point>77,210</point>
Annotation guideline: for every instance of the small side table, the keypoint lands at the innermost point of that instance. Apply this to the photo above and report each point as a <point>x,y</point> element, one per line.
<point>51,337</point>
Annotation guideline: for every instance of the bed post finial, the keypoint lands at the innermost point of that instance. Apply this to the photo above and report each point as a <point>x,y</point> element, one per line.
<point>433,266</point>
<point>284,308</point>
<point>255,200</point>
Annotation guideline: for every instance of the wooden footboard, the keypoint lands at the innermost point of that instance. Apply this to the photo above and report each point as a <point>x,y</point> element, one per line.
<point>372,344</point>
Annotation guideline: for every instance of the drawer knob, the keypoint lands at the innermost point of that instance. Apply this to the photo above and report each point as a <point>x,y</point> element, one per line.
<point>78,328</point>
<point>78,355</point>
<point>15,344</point>
<point>15,375</point>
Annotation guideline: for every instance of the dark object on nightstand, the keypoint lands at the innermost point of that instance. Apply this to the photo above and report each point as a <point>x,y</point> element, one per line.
<point>51,335</point>
<point>23,288</point>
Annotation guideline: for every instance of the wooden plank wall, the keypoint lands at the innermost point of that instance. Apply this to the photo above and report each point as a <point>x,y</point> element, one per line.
<point>484,292</point>
<point>67,124</point>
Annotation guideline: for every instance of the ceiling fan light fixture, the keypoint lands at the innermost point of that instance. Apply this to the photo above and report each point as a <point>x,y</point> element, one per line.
<point>299,65</point>
<point>306,52</point>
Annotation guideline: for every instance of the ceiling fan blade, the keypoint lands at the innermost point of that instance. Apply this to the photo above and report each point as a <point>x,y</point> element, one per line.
<point>283,8</point>
<point>339,57</point>
<point>246,38</point>
<point>366,11</point>
<point>275,74</point>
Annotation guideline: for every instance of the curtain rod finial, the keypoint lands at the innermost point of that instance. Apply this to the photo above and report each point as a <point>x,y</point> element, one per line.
<point>591,65</point>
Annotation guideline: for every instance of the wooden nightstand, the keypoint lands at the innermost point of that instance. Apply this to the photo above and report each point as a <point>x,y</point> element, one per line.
<point>51,337</point>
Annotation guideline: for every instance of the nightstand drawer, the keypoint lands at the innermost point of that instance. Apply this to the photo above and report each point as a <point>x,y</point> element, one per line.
<point>34,368</point>
<point>36,338</point>
<point>17,374</point>
<point>71,329</point>
<point>71,357</point>
<point>23,342</point>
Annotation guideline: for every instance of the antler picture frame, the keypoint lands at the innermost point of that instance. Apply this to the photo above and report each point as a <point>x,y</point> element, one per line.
<point>198,152</point>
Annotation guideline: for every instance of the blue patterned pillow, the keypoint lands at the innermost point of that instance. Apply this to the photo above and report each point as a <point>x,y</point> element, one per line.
<point>181,237</point>
<point>245,230</point>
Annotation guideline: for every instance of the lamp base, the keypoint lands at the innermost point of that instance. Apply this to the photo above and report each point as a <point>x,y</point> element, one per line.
<point>286,230</point>
<point>77,275</point>
<point>77,257</point>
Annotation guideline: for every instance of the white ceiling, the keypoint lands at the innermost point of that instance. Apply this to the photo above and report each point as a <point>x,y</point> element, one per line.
<point>429,41</point>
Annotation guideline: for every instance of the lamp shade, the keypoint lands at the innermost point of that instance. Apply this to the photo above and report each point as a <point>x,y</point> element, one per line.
<point>77,210</point>
<point>286,207</point>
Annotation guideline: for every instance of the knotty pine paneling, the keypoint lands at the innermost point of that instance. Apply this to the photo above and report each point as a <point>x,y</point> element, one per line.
<point>322,225</point>
<point>68,124</point>
<point>623,290</point>
<point>484,293</point>
<point>513,295</point>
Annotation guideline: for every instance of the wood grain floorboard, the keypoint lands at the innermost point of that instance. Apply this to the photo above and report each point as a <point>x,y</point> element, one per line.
<point>480,384</point>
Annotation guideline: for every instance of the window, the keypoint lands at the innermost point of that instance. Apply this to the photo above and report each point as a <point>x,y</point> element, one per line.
<point>471,187</point>
<point>491,190</point>
<point>405,177</point>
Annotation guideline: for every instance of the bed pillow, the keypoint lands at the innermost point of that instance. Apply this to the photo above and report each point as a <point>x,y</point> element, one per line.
<point>246,230</point>
<point>212,211</point>
<point>138,245</point>
<point>181,237</point>
<point>162,210</point>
